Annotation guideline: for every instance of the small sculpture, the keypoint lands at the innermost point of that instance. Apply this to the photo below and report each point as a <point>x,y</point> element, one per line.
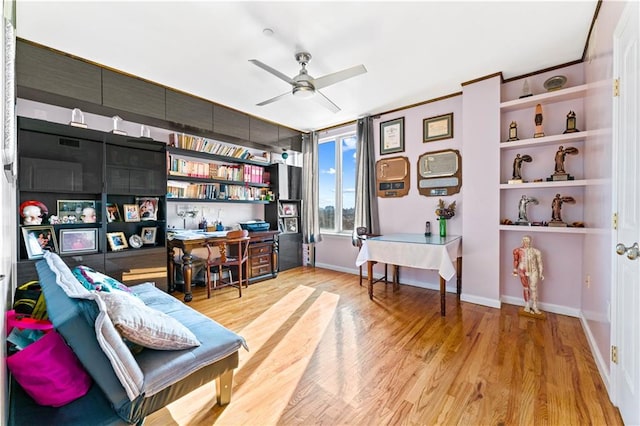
<point>538,120</point>
<point>522,209</point>
<point>33,212</point>
<point>513,132</point>
<point>571,123</point>
<point>556,207</point>
<point>527,264</point>
<point>559,172</point>
<point>517,167</point>
<point>526,91</point>
<point>88,215</point>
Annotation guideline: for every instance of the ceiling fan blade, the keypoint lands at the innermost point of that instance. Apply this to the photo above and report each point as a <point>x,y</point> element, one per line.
<point>325,102</point>
<point>273,71</point>
<point>268,101</point>
<point>329,79</point>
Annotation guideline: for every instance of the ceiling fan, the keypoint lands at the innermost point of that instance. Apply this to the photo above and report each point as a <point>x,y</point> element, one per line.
<point>305,86</point>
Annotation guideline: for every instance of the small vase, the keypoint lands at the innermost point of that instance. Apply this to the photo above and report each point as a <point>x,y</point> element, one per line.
<point>443,227</point>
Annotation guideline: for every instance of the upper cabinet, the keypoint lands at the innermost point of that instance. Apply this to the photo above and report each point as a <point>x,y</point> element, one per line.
<point>131,94</point>
<point>48,76</point>
<point>50,72</point>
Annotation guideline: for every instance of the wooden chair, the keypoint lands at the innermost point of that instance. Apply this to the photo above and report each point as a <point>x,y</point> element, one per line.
<point>234,253</point>
<point>363,234</point>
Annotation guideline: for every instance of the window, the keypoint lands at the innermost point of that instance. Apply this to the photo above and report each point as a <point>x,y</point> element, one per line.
<point>337,167</point>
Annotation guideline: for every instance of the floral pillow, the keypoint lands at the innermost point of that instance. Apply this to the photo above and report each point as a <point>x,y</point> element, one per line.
<point>94,280</point>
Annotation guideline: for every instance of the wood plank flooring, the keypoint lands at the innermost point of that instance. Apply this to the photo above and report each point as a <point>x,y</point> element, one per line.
<point>322,353</point>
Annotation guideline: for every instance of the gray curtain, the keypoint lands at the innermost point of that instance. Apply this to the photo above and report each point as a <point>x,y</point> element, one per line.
<point>366,200</point>
<point>310,189</point>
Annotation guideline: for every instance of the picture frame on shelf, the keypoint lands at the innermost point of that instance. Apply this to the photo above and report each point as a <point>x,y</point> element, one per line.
<point>79,240</point>
<point>74,210</point>
<point>392,136</point>
<point>117,241</point>
<point>438,128</point>
<point>291,225</point>
<point>147,208</point>
<point>131,213</point>
<point>113,213</point>
<point>37,239</point>
<point>288,209</point>
<point>148,235</point>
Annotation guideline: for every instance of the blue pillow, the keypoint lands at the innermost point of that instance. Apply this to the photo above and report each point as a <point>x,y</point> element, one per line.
<point>94,280</point>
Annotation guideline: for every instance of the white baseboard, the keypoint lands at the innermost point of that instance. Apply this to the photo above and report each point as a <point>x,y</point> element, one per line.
<point>548,307</point>
<point>600,362</point>
<point>478,300</point>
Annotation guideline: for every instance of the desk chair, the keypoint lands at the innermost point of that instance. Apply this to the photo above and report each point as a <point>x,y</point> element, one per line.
<point>234,253</point>
<point>362,235</point>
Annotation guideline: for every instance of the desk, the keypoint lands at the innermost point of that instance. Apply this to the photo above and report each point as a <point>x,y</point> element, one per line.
<point>263,254</point>
<point>415,251</point>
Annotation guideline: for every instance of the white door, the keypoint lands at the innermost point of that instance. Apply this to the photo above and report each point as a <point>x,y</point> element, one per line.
<point>625,324</point>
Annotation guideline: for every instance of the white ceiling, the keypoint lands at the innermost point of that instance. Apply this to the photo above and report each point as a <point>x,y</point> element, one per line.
<point>413,51</point>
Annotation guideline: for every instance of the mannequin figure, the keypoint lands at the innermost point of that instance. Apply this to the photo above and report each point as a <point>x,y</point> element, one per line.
<point>527,264</point>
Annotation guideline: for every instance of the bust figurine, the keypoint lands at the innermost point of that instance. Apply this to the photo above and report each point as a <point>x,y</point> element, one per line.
<point>32,212</point>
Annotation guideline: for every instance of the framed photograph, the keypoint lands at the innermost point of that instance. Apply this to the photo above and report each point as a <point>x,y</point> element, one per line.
<point>80,240</point>
<point>291,225</point>
<point>148,234</point>
<point>77,211</point>
<point>392,136</point>
<point>37,239</point>
<point>148,207</point>
<point>113,213</point>
<point>117,241</point>
<point>131,213</point>
<point>437,128</point>
<point>288,209</point>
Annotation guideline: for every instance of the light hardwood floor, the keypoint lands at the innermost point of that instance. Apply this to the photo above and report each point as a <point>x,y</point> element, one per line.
<point>322,353</point>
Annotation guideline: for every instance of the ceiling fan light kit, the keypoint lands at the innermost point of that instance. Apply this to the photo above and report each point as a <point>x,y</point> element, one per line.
<point>304,86</point>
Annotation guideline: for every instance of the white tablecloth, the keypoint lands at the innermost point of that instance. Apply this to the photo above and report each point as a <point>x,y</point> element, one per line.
<point>440,257</point>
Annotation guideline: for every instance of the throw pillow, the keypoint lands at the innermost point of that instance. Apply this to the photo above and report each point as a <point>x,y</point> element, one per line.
<point>146,326</point>
<point>94,280</point>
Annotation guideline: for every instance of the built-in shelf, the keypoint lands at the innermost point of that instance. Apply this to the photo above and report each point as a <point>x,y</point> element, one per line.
<point>576,92</point>
<point>545,184</point>
<point>547,229</point>
<point>210,200</point>
<point>213,157</point>
<point>193,179</point>
<point>546,140</point>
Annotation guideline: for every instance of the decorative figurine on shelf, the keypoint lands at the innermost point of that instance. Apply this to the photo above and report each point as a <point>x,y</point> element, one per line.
<point>88,215</point>
<point>33,212</point>
<point>77,119</point>
<point>516,176</point>
<point>427,229</point>
<point>556,207</point>
<point>527,264</point>
<point>559,172</point>
<point>526,91</point>
<point>522,209</point>
<point>445,212</point>
<point>571,123</point>
<point>513,132</point>
<point>538,120</point>
<point>117,126</point>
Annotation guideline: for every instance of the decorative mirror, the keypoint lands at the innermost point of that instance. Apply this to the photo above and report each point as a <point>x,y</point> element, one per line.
<point>440,173</point>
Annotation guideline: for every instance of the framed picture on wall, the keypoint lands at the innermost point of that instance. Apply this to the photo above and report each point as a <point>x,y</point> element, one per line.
<point>392,136</point>
<point>437,128</point>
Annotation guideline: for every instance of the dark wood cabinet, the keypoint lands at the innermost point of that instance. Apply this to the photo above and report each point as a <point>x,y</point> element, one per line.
<point>189,110</point>
<point>131,94</point>
<point>61,164</point>
<point>263,255</point>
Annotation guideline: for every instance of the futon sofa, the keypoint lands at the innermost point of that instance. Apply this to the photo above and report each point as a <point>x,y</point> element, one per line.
<point>132,386</point>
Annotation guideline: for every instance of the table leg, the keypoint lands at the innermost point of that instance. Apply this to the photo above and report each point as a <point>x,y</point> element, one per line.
<point>396,277</point>
<point>370,278</point>
<point>187,262</point>
<point>459,275</point>
<point>170,272</point>
<point>443,289</point>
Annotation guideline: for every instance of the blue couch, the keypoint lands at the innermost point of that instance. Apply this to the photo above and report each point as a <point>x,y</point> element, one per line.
<point>163,375</point>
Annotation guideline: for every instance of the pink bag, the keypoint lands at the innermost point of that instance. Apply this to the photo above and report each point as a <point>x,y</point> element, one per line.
<point>49,371</point>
